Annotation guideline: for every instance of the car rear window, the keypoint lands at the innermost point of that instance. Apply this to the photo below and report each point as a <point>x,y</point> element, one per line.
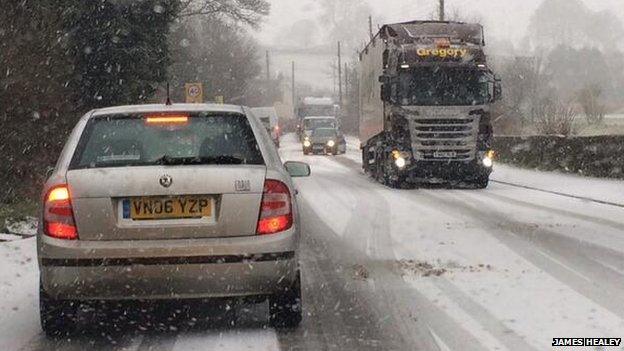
<point>140,140</point>
<point>324,132</point>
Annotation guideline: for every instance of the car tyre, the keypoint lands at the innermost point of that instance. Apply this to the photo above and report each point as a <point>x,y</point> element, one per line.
<point>58,317</point>
<point>285,310</point>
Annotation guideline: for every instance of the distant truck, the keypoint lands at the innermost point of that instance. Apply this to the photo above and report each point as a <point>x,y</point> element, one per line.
<point>425,94</point>
<point>314,106</point>
<point>270,120</point>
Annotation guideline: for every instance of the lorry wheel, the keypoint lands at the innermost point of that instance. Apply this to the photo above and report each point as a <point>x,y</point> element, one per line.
<point>285,307</point>
<point>58,318</point>
<point>481,182</point>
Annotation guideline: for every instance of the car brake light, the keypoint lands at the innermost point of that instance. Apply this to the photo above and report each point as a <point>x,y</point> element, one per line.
<point>58,215</point>
<point>167,119</point>
<point>275,209</point>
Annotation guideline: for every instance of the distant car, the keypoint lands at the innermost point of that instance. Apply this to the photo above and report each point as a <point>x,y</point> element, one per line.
<point>312,123</point>
<point>169,202</point>
<point>324,141</point>
<point>270,120</point>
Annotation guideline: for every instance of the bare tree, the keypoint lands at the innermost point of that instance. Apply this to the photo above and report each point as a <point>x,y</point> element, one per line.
<point>249,12</point>
<point>554,116</point>
<point>590,99</point>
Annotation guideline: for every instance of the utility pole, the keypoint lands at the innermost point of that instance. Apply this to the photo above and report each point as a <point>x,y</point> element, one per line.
<point>441,10</point>
<point>294,94</point>
<point>268,79</point>
<point>346,81</point>
<point>339,76</point>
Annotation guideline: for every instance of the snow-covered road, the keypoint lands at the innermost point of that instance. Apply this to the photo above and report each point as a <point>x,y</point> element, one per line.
<point>507,268</point>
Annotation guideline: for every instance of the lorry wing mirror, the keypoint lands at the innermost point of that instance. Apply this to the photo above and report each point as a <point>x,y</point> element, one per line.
<point>498,90</point>
<point>385,93</point>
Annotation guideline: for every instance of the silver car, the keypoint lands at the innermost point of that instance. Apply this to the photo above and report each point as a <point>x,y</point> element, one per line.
<point>169,202</point>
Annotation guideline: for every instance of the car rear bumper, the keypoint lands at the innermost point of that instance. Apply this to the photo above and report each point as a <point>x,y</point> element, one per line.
<point>320,149</point>
<point>177,269</point>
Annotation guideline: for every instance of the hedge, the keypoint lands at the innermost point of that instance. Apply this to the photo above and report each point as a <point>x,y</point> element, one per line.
<point>597,156</point>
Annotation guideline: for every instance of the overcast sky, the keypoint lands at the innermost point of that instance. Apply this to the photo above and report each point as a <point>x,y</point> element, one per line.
<point>504,19</point>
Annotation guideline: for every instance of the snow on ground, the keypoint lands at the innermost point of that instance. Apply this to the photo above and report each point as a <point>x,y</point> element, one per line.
<point>610,190</point>
<point>19,318</point>
<point>501,262</point>
<point>234,340</point>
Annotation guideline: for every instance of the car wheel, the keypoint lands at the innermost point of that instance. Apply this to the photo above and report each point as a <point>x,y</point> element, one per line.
<point>58,317</point>
<point>285,307</point>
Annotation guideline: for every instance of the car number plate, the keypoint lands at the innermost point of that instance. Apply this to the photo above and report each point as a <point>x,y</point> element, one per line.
<point>152,208</point>
<point>445,154</point>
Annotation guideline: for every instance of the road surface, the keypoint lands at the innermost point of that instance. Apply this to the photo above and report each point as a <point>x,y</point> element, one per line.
<point>534,257</point>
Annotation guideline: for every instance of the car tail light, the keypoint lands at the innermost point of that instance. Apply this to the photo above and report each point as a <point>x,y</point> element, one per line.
<point>58,215</point>
<point>275,209</point>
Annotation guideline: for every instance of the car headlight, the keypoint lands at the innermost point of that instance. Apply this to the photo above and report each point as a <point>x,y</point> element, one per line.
<point>331,143</point>
<point>307,143</point>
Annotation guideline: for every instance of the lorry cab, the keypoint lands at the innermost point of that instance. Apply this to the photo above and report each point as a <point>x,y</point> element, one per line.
<point>426,93</point>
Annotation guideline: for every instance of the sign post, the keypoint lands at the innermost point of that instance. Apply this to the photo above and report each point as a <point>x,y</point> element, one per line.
<point>194,93</point>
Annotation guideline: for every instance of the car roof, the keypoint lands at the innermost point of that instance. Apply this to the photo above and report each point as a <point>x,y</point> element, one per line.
<point>320,117</point>
<point>167,108</point>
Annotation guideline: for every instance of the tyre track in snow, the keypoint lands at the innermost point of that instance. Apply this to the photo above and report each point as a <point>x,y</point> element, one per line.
<point>564,258</point>
<point>367,242</point>
<point>495,327</point>
<point>396,311</point>
<point>597,220</point>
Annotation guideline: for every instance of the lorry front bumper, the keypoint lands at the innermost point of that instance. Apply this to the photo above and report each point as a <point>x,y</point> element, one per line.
<point>446,170</point>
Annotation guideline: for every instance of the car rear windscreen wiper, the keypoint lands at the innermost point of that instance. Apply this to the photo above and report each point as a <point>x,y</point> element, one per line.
<point>217,160</point>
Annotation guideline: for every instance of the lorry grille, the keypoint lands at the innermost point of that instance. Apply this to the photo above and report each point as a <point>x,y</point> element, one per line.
<point>445,139</point>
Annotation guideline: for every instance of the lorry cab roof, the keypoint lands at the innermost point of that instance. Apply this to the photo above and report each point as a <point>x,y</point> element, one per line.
<point>413,31</point>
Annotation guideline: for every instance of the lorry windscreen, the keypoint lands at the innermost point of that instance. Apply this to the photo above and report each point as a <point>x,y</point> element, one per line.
<point>435,86</point>
<point>316,110</point>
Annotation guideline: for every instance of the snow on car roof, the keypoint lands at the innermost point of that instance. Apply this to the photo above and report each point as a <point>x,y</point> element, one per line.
<point>167,108</point>
<point>320,117</point>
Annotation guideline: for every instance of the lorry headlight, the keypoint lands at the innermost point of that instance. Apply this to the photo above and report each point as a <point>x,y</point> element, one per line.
<point>488,159</point>
<point>400,162</point>
<point>307,143</point>
<point>331,143</point>
<point>488,162</point>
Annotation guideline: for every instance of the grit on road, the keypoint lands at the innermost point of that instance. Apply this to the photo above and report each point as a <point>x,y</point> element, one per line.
<point>506,268</point>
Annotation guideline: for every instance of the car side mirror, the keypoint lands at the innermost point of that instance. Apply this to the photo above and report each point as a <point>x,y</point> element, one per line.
<point>298,169</point>
<point>384,79</point>
<point>49,171</point>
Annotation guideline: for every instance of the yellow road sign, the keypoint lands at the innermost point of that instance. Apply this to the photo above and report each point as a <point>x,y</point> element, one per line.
<point>194,93</point>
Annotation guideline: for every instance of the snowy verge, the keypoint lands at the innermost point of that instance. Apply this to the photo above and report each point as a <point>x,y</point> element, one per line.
<point>606,190</point>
